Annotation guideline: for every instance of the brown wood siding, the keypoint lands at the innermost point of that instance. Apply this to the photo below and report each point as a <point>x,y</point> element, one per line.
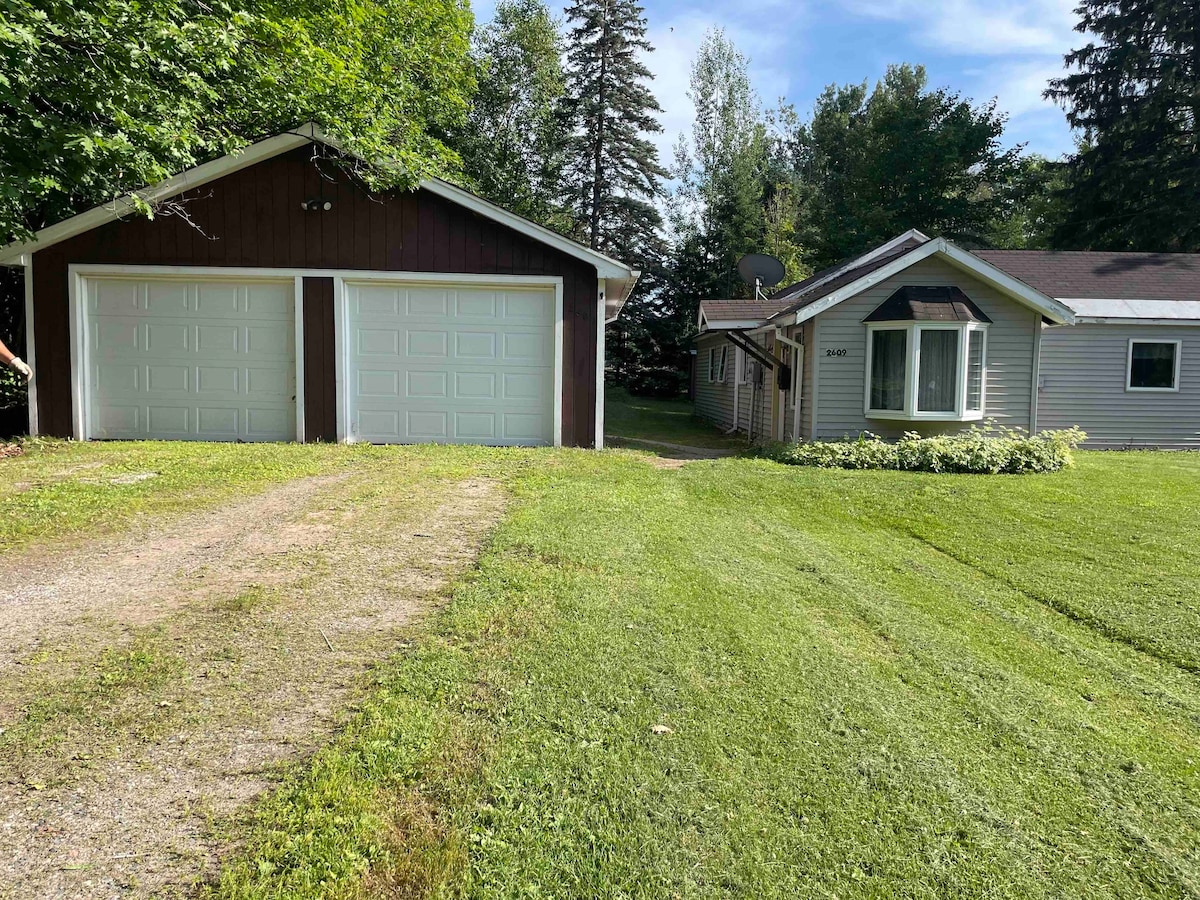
<point>253,218</point>
<point>320,378</point>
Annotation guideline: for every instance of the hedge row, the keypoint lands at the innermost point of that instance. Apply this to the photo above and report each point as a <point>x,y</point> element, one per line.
<point>978,450</point>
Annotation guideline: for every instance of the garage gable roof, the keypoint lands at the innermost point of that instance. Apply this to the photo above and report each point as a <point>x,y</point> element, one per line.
<point>620,278</point>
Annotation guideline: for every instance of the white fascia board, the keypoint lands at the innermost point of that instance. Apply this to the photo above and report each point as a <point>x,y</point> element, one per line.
<point>863,260</point>
<point>606,267</point>
<point>164,190</point>
<point>981,269</point>
<point>871,278</point>
<point>733,324</point>
<point>1133,310</point>
<point>1121,320</point>
<point>1014,287</point>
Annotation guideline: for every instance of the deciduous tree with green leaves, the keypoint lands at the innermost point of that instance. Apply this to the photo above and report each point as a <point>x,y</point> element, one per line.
<point>102,97</point>
<point>901,156</point>
<point>515,141</point>
<point>1135,96</point>
<point>718,209</point>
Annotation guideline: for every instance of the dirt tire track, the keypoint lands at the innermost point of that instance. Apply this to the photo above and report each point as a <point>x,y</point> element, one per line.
<point>346,561</point>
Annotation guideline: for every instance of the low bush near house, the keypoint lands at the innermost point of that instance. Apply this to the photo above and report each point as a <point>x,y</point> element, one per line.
<point>979,450</point>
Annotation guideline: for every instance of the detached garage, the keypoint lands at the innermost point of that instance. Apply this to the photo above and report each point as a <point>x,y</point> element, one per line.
<point>289,303</point>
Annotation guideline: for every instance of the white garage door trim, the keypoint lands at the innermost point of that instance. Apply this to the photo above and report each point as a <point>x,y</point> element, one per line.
<point>82,414</point>
<point>343,280</point>
<point>79,273</point>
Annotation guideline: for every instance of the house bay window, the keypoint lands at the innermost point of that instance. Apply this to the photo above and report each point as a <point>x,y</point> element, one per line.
<point>926,356</point>
<point>921,371</point>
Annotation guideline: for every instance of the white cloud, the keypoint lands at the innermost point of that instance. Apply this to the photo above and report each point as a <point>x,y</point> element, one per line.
<point>1018,87</point>
<point>981,28</point>
<point>1016,48</point>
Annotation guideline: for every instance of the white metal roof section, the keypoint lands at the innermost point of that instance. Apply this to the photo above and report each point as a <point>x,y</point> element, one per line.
<point>1146,312</point>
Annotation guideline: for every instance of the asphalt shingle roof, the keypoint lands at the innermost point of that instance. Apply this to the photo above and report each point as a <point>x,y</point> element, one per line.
<point>1102,276</point>
<point>716,311</point>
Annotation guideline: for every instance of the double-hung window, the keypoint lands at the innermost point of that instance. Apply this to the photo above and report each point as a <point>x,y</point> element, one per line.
<point>716,363</point>
<point>926,357</point>
<point>1153,365</point>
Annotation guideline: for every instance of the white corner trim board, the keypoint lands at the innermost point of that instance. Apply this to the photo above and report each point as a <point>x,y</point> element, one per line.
<point>600,348</point>
<point>31,346</point>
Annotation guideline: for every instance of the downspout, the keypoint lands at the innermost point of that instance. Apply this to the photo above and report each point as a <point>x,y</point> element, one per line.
<point>1037,376</point>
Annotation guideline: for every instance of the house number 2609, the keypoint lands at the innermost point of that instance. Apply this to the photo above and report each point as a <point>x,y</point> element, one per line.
<point>835,351</point>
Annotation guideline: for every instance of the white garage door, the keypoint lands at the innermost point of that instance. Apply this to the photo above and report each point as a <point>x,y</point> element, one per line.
<point>191,359</point>
<point>451,363</point>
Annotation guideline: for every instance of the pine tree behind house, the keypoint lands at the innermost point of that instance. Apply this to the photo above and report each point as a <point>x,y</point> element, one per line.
<point>1135,184</point>
<point>613,174</point>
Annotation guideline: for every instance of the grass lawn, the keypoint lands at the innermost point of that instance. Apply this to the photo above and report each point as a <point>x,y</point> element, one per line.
<point>655,419</point>
<point>742,679</point>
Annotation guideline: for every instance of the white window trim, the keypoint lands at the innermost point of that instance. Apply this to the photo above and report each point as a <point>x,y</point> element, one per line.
<point>912,368</point>
<point>717,376</point>
<point>1153,390</point>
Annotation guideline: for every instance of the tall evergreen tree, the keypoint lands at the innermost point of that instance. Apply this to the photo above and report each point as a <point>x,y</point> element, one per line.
<point>613,174</point>
<point>515,142</point>
<point>1135,183</point>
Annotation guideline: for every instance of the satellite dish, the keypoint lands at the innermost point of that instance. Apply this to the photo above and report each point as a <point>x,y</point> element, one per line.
<point>760,270</point>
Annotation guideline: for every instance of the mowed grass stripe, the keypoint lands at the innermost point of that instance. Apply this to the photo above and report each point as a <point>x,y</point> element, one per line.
<point>853,712</point>
<point>860,679</point>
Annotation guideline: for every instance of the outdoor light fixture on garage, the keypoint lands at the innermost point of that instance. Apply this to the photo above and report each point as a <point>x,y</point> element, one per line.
<point>316,205</point>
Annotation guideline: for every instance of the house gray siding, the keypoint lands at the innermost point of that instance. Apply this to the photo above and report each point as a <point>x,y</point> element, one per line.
<point>714,399</point>
<point>1083,379</point>
<point>806,397</point>
<point>840,381</point>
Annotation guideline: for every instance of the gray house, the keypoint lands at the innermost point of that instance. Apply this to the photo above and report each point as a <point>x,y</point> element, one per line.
<point>1128,372</point>
<point>921,335</point>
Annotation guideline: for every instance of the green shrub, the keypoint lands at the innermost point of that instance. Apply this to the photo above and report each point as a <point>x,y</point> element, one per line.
<point>987,450</point>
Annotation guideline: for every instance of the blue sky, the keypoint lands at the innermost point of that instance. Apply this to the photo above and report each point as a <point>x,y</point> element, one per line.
<point>981,48</point>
